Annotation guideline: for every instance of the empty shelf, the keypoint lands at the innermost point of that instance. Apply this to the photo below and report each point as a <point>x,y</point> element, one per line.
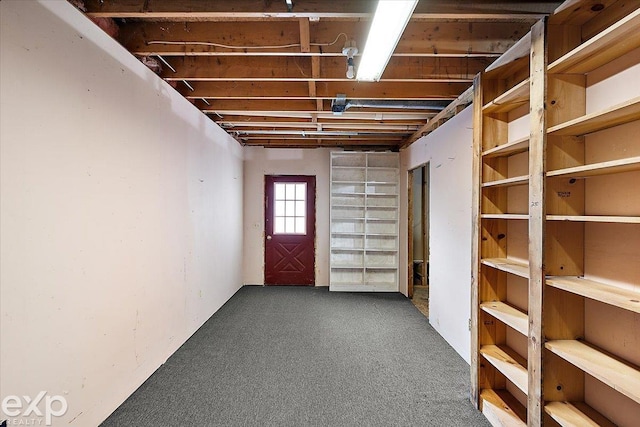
<point>502,409</point>
<point>510,316</point>
<point>576,414</point>
<point>513,147</point>
<point>504,360</point>
<point>596,218</point>
<point>617,375</point>
<point>510,100</point>
<point>602,168</point>
<point>510,266</point>
<point>618,297</point>
<point>516,180</point>
<point>614,116</point>
<point>617,40</point>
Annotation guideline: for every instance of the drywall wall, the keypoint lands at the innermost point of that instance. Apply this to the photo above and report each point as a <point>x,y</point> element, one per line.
<point>258,162</point>
<point>448,150</point>
<point>121,214</point>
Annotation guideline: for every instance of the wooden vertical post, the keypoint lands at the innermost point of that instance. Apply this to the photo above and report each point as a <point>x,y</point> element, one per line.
<point>475,236</point>
<point>410,235</point>
<point>537,215</point>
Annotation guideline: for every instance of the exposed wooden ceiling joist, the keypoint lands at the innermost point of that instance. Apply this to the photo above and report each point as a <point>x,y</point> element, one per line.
<point>325,90</point>
<point>234,68</point>
<point>268,76</point>
<point>185,10</point>
<point>282,38</point>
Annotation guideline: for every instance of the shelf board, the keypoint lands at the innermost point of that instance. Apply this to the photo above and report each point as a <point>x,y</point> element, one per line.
<point>508,315</point>
<point>373,219</point>
<point>384,208</point>
<point>346,267</point>
<point>508,149</point>
<point>517,268</point>
<point>348,182</point>
<point>380,267</point>
<point>349,194</point>
<point>504,360</point>
<point>382,183</point>
<point>382,194</point>
<point>618,114</point>
<point>348,167</point>
<point>617,40</point>
<point>510,100</point>
<point>617,375</point>
<point>596,218</point>
<point>347,250</point>
<point>612,295</point>
<point>502,409</point>
<point>504,216</point>
<point>601,168</point>
<point>347,206</point>
<point>363,287</point>
<point>382,250</point>
<point>576,414</point>
<point>347,233</point>
<point>516,180</point>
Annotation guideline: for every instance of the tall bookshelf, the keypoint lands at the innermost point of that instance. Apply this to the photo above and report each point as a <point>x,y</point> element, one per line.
<point>556,262</point>
<point>364,221</point>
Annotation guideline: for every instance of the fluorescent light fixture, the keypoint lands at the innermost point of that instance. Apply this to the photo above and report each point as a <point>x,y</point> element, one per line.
<point>388,24</point>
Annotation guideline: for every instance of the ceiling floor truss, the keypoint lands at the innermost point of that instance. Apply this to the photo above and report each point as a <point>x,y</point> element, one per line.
<point>268,75</point>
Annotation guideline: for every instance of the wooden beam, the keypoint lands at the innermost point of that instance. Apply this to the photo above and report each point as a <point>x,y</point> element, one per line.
<point>476,256</point>
<point>235,68</point>
<point>367,138</point>
<point>346,9</point>
<point>311,126</point>
<point>312,142</point>
<point>384,116</point>
<point>327,37</point>
<point>324,118</point>
<point>537,224</point>
<point>326,90</point>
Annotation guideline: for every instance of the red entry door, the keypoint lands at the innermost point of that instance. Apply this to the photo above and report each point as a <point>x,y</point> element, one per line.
<point>290,230</point>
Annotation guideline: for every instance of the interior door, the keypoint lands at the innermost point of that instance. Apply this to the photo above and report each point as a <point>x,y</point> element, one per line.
<point>290,221</point>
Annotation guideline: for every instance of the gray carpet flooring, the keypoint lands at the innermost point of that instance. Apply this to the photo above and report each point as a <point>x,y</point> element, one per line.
<point>302,356</point>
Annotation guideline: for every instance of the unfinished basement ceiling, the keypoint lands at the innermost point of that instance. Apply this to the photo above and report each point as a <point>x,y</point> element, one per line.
<point>268,73</point>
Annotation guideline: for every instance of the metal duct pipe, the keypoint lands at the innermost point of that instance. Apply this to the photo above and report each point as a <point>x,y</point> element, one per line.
<point>405,105</point>
<point>340,104</point>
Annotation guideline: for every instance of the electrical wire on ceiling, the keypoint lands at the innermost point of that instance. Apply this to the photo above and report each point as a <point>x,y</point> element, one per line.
<point>284,46</point>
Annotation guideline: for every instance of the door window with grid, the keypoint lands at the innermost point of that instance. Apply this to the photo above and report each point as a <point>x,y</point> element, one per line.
<point>290,215</point>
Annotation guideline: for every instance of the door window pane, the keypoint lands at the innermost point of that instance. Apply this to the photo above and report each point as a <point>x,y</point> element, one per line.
<point>290,208</point>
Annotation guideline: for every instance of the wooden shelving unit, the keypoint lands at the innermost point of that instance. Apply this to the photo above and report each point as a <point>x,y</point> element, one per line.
<point>557,213</point>
<point>364,222</point>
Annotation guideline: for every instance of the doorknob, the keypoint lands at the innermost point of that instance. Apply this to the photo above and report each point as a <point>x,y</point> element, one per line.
<point>268,237</point>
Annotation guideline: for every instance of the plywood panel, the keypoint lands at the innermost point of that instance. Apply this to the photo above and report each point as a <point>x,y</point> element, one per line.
<point>615,406</point>
<point>517,240</point>
<point>614,330</point>
<point>612,255</point>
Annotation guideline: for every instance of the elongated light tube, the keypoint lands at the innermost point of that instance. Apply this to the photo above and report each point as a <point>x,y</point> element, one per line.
<point>388,24</point>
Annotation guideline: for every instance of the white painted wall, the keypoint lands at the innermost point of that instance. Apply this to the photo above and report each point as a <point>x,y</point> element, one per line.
<point>449,151</point>
<point>258,162</point>
<point>121,213</point>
